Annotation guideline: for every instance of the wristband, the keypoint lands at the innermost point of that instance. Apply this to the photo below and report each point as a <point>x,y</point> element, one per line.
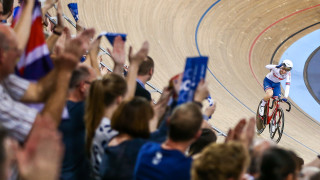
<point>56,32</point>
<point>205,117</point>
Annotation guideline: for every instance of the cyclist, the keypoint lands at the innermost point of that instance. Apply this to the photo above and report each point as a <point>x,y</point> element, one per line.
<point>272,80</point>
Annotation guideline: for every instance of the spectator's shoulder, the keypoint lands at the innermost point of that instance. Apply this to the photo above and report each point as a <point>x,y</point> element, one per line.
<point>150,147</point>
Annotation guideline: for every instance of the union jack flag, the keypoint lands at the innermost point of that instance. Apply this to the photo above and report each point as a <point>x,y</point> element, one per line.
<point>35,61</point>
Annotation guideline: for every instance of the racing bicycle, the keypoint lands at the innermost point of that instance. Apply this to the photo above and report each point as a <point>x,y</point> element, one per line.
<point>274,117</point>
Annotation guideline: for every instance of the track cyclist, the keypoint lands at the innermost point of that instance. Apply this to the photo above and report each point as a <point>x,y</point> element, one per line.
<point>272,80</point>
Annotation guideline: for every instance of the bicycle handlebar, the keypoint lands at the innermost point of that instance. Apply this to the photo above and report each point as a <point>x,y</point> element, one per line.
<point>289,104</point>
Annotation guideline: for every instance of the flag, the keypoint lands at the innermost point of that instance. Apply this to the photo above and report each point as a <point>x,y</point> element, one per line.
<point>35,61</point>
<point>73,7</point>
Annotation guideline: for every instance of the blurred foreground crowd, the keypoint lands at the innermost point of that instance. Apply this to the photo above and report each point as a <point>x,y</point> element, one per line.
<point>103,124</point>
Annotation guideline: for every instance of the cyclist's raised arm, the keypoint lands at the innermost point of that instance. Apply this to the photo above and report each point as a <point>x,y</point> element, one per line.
<point>271,66</point>
<point>288,81</point>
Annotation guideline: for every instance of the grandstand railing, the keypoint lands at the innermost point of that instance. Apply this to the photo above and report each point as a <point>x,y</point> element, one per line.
<point>155,89</point>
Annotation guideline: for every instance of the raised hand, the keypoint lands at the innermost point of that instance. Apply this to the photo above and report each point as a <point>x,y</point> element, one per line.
<point>60,25</point>
<point>135,61</point>
<point>202,91</point>
<point>69,57</point>
<point>161,105</point>
<point>118,53</point>
<point>210,109</point>
<point>243,132</point>
<point>140,56</point>
<point>42,154</point>
<point>159,109</point>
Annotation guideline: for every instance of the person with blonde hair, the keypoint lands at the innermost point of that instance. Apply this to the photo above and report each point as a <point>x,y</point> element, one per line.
<point>221,162</point>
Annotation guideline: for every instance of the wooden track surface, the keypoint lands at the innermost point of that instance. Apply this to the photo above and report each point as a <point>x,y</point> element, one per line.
<point>226,35</point>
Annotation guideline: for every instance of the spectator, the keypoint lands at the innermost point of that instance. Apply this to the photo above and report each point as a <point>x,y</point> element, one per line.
<point>259,147</point>
<point>14,115</point>
<point>221,162</point>
<point>168,160</point>
<point>75,165</point>
<point>105,95</point>
<point>131,120</point>
<point>145,73</point>
<point>207,137</point>
<point>277,164</point>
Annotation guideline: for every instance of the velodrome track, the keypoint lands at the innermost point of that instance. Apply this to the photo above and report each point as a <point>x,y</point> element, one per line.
<point>239,36</point>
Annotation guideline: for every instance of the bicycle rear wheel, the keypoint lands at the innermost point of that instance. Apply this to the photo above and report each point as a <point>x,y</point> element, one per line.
<point>277,121</point>
<point>259,122</point>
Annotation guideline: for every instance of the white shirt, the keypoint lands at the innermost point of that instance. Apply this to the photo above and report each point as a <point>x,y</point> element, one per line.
<point>102,136</point>
<point>275,76</point>
<point>15,116</point>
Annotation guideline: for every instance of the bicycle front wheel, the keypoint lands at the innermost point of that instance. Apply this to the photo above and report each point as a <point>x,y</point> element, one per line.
<point>259,121</point>
<point>276,125</point>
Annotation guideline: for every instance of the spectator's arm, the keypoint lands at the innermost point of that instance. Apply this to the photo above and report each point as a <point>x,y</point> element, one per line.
<point>79,26</point>
<point>23,26</point>
<point>39,92</point>
<point>159,109</point>
<point>210,110</point>
<point>67,60</point>
<point>58,29</point>
<point>135,61</point>
<point>92,57</point>
<point>202,92</point>
<point>42,154</point>
<point>48,4</point>
<point>118,55</point>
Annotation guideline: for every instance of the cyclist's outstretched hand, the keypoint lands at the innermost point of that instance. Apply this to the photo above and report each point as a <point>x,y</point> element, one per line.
<point>285,99</point>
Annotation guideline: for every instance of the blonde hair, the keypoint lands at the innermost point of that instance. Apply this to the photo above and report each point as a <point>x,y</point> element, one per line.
<point>102,94</point>
<point>220,162</point>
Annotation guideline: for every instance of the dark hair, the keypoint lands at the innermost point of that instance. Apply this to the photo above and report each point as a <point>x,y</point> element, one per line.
<point>145,66</point>
<point>277,164</point>
<point>299,161</point>
<point>185,122</point>
<point>7,6</point>
<point>207,137</point>
<point>132,117</point>
<point>78,75</point>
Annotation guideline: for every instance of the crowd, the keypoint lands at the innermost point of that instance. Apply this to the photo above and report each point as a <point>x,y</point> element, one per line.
<point>104,125</point>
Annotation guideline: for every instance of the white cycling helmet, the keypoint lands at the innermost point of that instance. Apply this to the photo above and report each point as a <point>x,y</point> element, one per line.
<point>287,64</point>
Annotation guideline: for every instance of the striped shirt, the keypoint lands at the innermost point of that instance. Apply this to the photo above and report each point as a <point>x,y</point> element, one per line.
<point>103,134</point>
<point>15,116</point>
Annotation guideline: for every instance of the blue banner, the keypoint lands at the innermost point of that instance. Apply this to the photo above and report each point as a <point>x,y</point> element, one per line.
<point>194,71</point>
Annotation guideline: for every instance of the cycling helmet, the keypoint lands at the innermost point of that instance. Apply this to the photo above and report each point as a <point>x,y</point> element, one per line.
<point>287,65</point>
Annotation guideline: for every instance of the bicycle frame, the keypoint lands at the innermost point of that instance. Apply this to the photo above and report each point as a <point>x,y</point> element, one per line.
<point>274,107</point>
